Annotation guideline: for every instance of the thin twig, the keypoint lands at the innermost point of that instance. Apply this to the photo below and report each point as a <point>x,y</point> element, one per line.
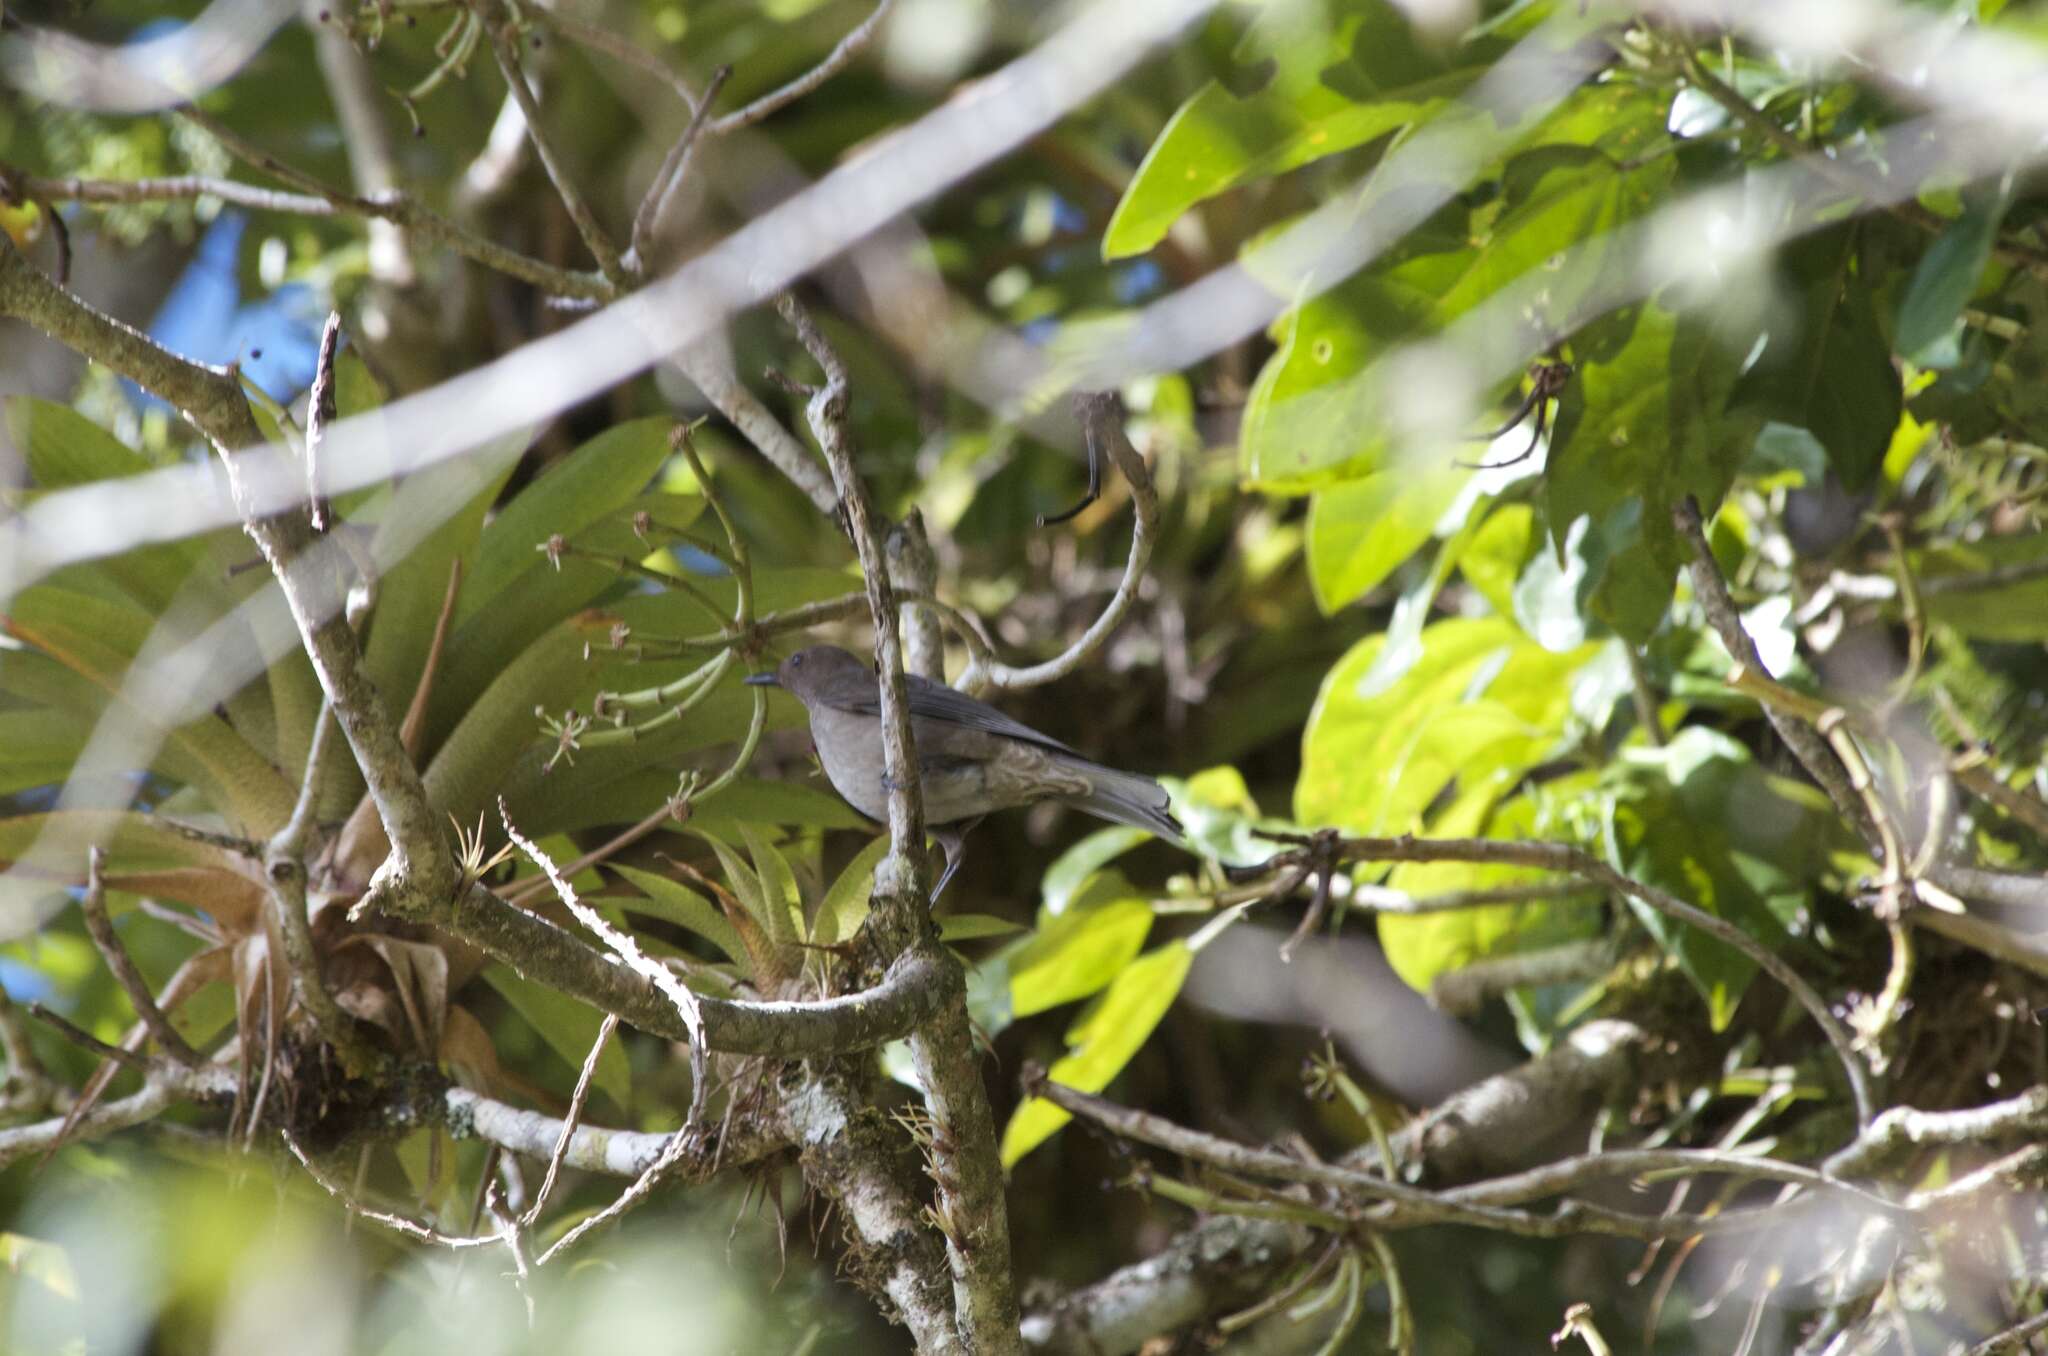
<point>835,61</point>
<point>411,1228</point>
<point>505,46</point>
<point>599,39</point>
<point>93,904</point>
<point>85,1040</point>
<point>674,168</point>
<point>583,1082</point>
<point>678,1145</point>
<point>179,188</point>
<point>1806,745</point>
<point>409,212</point>
<point>1102,417</point>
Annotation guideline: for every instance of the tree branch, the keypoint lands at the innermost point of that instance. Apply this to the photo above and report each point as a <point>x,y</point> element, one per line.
<point>1574,861</point>
<point>965,1168</point>
<point>93,904</point>
<point>1806,744</point>
<point>1220,1263</point>
<point>1102,419</point>
<point>835,61</point>
<point>505,46</point>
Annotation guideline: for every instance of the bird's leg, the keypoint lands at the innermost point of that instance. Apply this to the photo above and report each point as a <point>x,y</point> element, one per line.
<point>953,839</point>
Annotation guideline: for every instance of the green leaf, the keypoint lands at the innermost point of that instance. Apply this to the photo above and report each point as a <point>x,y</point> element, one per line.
<point>1360,533</point>
<point>63,448</point>
<point>97,639</point>
<point>1497,553</point>
<point>1077,953</point>
<point>1702,821</point>
<point>569,1027</point>
<point>1073,868</point>
<point>778,881</point>
<point>38,748</point>
<point>1481,703</point>
<point>1947,276</point>
<point>1103,1041</point>
<point>674,902</point>
<point>514,593</point>
<point>845,906</point>
<point>1641,427</point>
<point>1825,367</point>
<point>598,477</point>
<point>770,914</point>
<point>498,730</point>
<point>1316,414</point>
<point>967,927</point>
<point>1312,79</point>
<point>412,590</point>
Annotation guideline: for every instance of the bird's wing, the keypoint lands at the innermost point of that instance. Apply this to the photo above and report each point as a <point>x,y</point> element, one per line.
<point>935,701</point>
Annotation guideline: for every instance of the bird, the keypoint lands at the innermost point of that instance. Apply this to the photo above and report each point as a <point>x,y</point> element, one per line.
<point>971,758</point>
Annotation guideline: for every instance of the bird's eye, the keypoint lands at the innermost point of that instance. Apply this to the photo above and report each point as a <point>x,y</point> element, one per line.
<point>796,661</point>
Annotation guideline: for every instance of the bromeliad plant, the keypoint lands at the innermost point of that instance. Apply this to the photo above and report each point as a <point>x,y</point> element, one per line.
<point>248,817</point>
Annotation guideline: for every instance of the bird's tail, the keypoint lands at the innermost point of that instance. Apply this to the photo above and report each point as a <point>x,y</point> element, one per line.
<point>1128,798</point>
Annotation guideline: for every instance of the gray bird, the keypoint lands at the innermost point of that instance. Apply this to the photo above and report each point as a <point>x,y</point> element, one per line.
<point>971,758</point>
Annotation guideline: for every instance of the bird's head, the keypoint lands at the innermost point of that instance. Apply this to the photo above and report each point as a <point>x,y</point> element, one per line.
<point>816,673</point>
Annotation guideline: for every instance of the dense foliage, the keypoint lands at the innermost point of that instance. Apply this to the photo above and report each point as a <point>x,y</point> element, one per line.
<point>1586,572</point>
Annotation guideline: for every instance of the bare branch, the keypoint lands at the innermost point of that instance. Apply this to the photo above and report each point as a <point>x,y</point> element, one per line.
<point>398,1224</point>
<point>561,1149</point>
<point>835,61</point>
<point>599,39</point>
<point>669,177</point>
<point>359,111</point>
<point>409,212</point>
<point>93,904</point>
<point>964,1165</point>
<point>166,1085</point>
<point>708,364</point>
<point>1224,1261</point>
<point>1807,746</point>
<point>628,951</point>
<point>505,45</point>
<point>319,414</point>
<point>174,189</point>
<point>1101,415</point>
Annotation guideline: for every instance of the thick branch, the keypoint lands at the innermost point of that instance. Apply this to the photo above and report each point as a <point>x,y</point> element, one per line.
<point>1223,1262</point>
<point>166,1085</point>
<point>965,1168</point>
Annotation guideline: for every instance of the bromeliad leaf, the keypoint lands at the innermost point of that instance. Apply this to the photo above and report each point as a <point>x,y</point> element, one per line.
<point>676,903</point>
<point>569,1028</point>
<point>845,905</point>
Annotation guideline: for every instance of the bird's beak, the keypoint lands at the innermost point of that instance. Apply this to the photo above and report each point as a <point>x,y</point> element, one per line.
<point>760,680</point>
